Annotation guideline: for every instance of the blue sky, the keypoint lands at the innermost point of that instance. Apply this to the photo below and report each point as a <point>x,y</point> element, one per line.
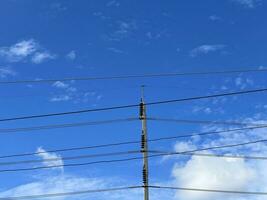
<point>57,39</point>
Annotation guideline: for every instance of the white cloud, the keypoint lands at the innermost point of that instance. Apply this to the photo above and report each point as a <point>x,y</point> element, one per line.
<point>71,55</point>
<point>153,36</point>
<point>213,173</point>
<point>184,146</point>
<point>243,83</point>
<point>55,158</point>
<point>205,49</point>
<point>223,173</point>
<point>60,84</point>
<point>115,50</point>
<point>205,110</point>
<point>123,29</point>
<point>247,3</point>
<point>60,98</point>
<point>6,72</point>
<point>40,57</point>
<point>25,49</point>
<point>58,6</point>
<point>56,184</point>
<point>113,3</point>
<point>19,51</point>
<point>215,18</point>
<point>68,92</point>
<point>70,183</point>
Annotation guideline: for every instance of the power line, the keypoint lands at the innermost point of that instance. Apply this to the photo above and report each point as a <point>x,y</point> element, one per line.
<point>245,157</point>
<point>202,121</point>
<point>70,158</point>
<point>90,123</point>
<point>160,154</point>
<point>209,190</point>
<point>131,188</point>
<point>132,76</point>
<point>132,142</point>
<point>138,151</point>
<point>70,193</point>
<point>68,125</point>
<point>206,133</point>
<point>133,105</point>
<point>211,148</point>
<point>70,149</point>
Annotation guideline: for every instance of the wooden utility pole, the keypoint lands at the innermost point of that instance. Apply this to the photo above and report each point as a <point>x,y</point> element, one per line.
<point>144,146</point>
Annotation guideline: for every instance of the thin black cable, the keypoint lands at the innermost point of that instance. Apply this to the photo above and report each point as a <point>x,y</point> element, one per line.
<point>89,123</point>
<point>130,159</point>
<point>208,190</point>
<point>132,76</point>
<point>133,105</point>
<point>202,121</point>
<point>69,193</point>
<point>245,157</point>
<point>70,158</point>
<point>138,151</point>
<point>68,125</point>
<point>206,133</point>
<point>69,113</point>
<point>70,149</point>
<point>211,148</point>
<point>132,142</point>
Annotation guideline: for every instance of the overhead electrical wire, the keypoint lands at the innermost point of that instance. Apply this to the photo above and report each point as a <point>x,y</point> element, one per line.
<point>208,190</point>
<point>28,81</point>
<point>133,105</point>
<point>159,154</point>
<point>210,122</point>
<point>244,157</point>
<point>50,195</point>
<point>70,158</point>
<point>90,123</point>
<point>132,142</point>
<point>187,153</point>
<point>67,125</point>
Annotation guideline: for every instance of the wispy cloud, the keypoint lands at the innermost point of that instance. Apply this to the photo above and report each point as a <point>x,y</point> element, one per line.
<point>243,83</point>
<point>25,49</point>
<point>247,3</point>
<point>55,159</point>
<point>60,84</point>
<point>7,72</point>
<point>40,57</point>
<point>114,3</point>
<point>153,36</point>
<point>71,55</point>
<point>205,49</point>
<point>115,50</point>
<point>215,18</point>
<point>68,92</point>
<point>19,51</point>
<point>57,6</point>
<point>123,29</point>
<point>61,97</point>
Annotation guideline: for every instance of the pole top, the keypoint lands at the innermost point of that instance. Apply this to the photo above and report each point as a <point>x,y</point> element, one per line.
<point>142,93</point>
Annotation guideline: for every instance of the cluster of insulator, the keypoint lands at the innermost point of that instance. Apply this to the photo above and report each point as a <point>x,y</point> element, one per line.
<point>144,177</point>
<point>143,142</point>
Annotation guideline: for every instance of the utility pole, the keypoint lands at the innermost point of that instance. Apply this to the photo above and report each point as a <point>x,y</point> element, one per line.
<point>144,146</point>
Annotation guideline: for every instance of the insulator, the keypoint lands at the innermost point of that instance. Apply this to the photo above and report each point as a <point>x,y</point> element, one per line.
<point>144,177</point>
<point>143,141</point>
<point>141,112</point>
